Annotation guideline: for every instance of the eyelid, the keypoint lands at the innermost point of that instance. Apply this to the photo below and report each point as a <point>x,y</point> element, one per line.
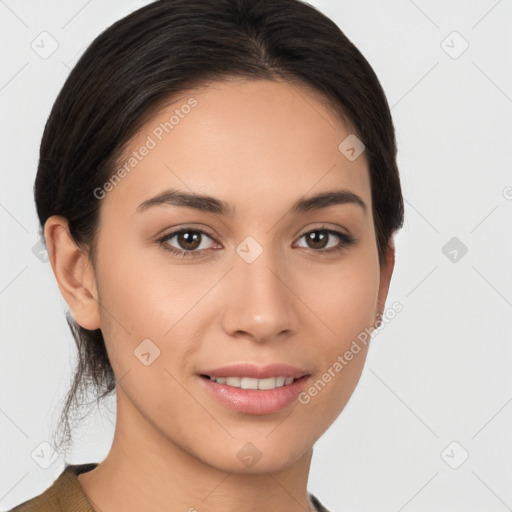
<point>177,231</point>
<point>324,227</point>
<point>346,240</point>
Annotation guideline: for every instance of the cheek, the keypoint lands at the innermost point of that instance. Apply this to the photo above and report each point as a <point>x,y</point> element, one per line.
<point>346,311</point>
<point>150,313</point>
<point>345,300</point>
<point>352,308</point>
<point>146,293</point>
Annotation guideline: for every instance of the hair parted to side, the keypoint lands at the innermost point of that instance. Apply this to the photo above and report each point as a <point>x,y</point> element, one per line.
<point>162,50</point>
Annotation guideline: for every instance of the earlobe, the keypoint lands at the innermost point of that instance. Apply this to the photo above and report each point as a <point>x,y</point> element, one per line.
<point>73,271</point>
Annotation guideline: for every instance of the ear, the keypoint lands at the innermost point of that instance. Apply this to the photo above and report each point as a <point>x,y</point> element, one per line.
<point>386,271</point>
<point>74,273</point>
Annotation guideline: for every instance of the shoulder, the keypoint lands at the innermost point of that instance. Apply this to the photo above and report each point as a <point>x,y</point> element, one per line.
<point>65,494</point>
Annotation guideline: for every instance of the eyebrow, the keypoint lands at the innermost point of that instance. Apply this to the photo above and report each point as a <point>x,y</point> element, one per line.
<point>211,204</point>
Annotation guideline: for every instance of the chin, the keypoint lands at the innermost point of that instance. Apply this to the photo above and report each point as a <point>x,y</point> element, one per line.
<point>256,457</point>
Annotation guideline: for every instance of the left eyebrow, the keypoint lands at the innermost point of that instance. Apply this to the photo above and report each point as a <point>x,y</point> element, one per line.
<point>217,206</point>
<point>325,199</point>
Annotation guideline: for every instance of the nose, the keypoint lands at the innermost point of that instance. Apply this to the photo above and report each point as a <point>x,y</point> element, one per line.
<point>259,303</point>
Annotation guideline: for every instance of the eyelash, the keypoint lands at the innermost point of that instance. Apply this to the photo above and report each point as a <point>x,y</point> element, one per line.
<point>346,241</point>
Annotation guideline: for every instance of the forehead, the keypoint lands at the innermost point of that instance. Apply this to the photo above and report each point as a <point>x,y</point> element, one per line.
<point>252,143</point>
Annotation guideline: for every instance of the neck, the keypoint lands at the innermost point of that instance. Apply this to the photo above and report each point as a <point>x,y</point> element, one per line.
<point>146,471</point>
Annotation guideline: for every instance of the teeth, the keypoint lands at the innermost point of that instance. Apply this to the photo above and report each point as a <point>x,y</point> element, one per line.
<point>250,383</point>
<point>280,381</point>
<point>233,381</point>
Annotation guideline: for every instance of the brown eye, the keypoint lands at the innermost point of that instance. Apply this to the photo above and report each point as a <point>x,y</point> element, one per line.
<point>318,239</point>
<point>188,242</point>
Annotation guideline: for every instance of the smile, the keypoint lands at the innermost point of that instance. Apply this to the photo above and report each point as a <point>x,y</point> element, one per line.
<point>249,395</point>
<point>251,383</point>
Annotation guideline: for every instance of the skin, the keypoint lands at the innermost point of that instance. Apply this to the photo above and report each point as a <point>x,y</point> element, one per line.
<point>175,446</point>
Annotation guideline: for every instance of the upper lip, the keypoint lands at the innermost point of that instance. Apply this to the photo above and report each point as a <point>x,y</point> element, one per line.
<point>256,372</point>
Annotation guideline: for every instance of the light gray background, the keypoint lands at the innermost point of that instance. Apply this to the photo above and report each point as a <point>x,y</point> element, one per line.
<point>439,372</point>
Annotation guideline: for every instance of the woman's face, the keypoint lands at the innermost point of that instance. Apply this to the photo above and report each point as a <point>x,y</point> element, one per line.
<point>254,285</point>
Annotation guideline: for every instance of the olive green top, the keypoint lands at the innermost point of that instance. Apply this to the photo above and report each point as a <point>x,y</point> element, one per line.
<point>66,494</point>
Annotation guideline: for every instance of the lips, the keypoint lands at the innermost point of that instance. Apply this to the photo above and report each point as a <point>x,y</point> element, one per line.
<point>255,372</point>
<point>255,401</point>
<point>252,389</point>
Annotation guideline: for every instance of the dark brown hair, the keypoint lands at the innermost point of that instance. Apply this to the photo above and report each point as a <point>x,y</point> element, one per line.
<point>156,53</point>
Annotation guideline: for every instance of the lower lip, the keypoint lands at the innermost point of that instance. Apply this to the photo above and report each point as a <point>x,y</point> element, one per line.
<point>256,401</point>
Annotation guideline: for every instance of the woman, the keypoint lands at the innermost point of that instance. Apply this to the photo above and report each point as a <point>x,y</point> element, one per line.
<point>218,193</point>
